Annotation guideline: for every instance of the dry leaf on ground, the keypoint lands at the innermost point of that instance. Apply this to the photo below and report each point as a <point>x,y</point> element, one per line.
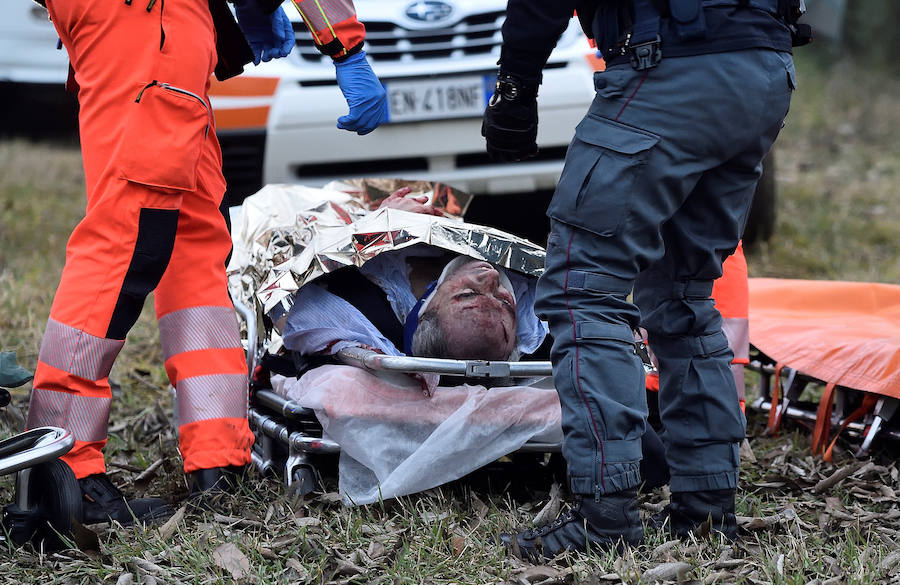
<point>229,557</point>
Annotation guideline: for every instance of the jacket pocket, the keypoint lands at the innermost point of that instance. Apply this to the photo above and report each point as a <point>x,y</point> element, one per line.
<point>164,138</point>
<point>595,188</point>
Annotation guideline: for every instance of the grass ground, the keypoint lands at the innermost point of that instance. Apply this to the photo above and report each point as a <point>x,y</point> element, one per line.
<point>838,218</point>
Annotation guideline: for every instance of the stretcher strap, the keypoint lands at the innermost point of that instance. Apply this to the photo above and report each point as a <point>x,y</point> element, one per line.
<point>868,404</point>
<point>774,416</point>
<point>823,419</point>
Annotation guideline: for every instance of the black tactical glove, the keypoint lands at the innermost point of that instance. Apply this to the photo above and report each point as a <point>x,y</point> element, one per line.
<point>511,120</point>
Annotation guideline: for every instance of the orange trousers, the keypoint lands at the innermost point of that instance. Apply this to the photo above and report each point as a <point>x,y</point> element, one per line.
<point>152,223</point>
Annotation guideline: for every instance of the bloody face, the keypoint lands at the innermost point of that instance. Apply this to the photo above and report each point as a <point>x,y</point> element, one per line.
<point>477,314</point>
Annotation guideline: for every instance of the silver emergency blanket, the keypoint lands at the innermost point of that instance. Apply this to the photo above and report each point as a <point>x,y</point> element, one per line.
<point>289,235</point>
<point>396,441</point>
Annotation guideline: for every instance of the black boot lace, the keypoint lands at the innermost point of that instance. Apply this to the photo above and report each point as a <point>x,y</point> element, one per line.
<point>545,529</point>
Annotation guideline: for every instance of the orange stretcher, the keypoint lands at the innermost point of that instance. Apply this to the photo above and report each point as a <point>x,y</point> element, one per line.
<point>844,336</point>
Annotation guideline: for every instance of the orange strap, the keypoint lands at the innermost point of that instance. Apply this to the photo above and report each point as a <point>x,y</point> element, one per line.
<point>822,428</point>
<point>774,417</point>
<point>868,403</point>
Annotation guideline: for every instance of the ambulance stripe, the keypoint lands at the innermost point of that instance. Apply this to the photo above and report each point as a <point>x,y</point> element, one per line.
<point>198,328</point>
<point>209,397</point>
<point>77,352</point>
<point>85,416</point>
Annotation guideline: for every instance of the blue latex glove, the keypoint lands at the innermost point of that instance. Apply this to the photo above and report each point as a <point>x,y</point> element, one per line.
<point>270,35</point>
<point>364,94</point>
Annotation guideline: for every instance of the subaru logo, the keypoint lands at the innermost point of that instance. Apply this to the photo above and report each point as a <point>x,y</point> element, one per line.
<point>428,11</point>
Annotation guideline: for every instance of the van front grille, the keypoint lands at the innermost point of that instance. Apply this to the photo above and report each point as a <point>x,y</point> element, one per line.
<point>478,34</point>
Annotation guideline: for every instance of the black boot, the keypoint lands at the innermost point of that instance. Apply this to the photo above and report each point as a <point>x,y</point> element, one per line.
<point>103,502</point>
<point>700,513</point>
<point>610,523</point>
<point>206,484</point>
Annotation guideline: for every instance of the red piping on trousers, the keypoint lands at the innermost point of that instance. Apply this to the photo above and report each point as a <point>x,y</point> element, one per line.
<point>634,93</point>
<point>577,373</point>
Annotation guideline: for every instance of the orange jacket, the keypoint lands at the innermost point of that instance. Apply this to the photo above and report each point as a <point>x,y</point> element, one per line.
<point>334,27</point>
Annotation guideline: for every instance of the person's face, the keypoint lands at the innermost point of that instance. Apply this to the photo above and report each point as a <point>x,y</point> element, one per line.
<point>476,312</point>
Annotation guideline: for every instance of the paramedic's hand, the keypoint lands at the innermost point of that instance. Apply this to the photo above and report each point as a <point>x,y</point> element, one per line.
<point>364,94</point>
<point>418,204</point>
<point>511,121</point>
<point>270,35</point>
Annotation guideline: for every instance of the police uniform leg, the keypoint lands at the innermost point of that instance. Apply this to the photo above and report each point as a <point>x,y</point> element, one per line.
<point>699,404</point>
<point>638,155</point>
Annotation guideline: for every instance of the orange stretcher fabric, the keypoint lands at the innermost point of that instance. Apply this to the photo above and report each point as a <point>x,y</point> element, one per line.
<point>844,333</point>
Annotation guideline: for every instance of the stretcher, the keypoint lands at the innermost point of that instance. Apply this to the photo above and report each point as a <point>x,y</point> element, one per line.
<point>287,236</point>
<point>828,354</point>
<point>47,497</point>
<point>289,436</point>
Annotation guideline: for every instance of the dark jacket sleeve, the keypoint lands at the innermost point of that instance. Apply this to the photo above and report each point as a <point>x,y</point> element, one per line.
<point>530,33</point>
<point>231,46</point>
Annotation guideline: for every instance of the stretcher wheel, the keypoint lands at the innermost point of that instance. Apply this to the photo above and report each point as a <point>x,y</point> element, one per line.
<point>56,497</point>
<point>303,480</point>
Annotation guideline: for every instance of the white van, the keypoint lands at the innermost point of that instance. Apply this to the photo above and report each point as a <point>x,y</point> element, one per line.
<point>438,61</point>
<point>277,121</point>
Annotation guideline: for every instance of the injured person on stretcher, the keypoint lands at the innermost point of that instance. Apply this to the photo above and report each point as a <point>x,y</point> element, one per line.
<point>430,297</point>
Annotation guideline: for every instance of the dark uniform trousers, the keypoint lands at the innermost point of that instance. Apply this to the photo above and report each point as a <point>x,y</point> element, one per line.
<point>653,197</point>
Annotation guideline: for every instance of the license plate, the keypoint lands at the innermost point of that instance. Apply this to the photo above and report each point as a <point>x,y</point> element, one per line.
<point>434,99</point>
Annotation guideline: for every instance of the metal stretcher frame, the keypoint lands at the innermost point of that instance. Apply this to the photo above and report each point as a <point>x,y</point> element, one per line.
<point>280,423</point>
<point>31,517</point>
<point>795,382</point>
<point>19,453</point>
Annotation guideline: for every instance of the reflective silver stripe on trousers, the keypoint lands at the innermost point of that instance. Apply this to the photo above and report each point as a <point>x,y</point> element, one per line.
<point>738,333</point>
<point>78,353</point>
<point>198,328</point>
<point>86,417</point>
<point>214,396</point>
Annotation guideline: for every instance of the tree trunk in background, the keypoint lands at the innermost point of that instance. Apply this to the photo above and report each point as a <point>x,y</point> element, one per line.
<point>870,32</point>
